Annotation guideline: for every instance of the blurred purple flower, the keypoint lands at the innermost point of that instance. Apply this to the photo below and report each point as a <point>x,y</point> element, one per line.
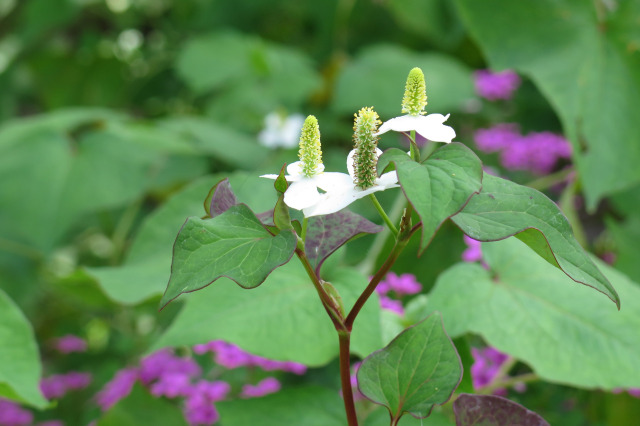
<point>57,385</point>
<point>265,387</point>
<point>70,343</point>
<point>391,305</point>
<point>11,414</point>
<point>402,285</point>
<point>119,387</point>
<point>171,385</point>
<point>486,366</point>
<point>473,252</point>
<point>163,362</point>
<point>496,138</point>
<point>231,356</point>
<point>198,406</point>
<point>496,85</point>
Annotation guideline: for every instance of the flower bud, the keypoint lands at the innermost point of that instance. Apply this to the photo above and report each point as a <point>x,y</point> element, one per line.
<point>310,153</point>
<point>366,143</point>
<point>415,93</point>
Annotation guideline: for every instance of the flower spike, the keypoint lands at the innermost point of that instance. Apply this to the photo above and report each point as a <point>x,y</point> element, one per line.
<point>310,152</point>
<point>415,93</point>
<point>365,143</point>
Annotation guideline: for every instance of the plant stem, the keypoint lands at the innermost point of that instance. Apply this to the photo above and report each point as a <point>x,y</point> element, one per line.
<point>303,233</point>
<point>122,229</point>
<point>550,180</point>
<point>383,214</point>
<point>345,377</point>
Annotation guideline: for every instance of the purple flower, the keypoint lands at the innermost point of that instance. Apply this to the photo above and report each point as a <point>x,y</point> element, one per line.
<point>199,408</point>
<point>11,414</point>
<point>231,356</point>
<point>473,252</point>
<point>53,387</point>
<point>486,366</point>
<point>265,387</point>
<point>496,85</point>
<point>171,385</point>
<point>163,362</point>
<point>391,305</point>
<point>75,380</point>
<point>403,284</point>
<point>70,343</point>
<point>496,138</point>
<point>119,387</point>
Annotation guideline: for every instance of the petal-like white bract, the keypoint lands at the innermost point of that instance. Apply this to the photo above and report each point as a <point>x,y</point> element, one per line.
<point>301,194</point>
<point>428,126</point>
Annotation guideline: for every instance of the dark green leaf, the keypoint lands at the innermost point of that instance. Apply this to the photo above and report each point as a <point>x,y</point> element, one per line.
<point>234,244</point>
<point>20,367</point>
<point>582,57</point>
<point>308,406</point>
<point>418,369</point>
<point>525,307</point>
<point>265,320</point>
<point>441,186</point>
<point>504,208</point>
<point>325,234</point>
<point>490,410</point>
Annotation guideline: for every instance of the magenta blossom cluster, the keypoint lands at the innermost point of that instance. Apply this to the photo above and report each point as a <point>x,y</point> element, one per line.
<point>231,356</point>
<point>11,414</point>
<point>70,343</point>
<point>486,366</point>
<point>57,385</point>
<point>402,285</point>
<point>473,252</point>
<point>496,85</point>
<point>536,152</point>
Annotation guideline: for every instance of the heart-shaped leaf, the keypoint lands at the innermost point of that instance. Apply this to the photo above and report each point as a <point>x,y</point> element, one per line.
<point>504,208</point>
<point>527,308</point>
<point>440,187</point>
<point>234,244</point>
<point>325,234</point>
<point>418,369</point>
<point>489,410</point>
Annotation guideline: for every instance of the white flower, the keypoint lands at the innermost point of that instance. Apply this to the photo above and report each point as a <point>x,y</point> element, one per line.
<point>281,131</point>
<point>346,192</point>
<point>428,126</point>
<point>303,191</point>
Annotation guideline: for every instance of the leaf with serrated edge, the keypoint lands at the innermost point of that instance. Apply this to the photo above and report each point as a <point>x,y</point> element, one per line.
<point>234,244</point>
<point>418,369</point>
<point>504,208</point>
<point>326,234</point>
<point>490,410</point>
<point>523,306</point>
<point>439,188</point>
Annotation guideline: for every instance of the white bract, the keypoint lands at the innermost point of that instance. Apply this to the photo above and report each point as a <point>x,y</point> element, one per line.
<point>428,126</point>
<point>281,130</point>
<point>303,191</point>
<point>346,192</point>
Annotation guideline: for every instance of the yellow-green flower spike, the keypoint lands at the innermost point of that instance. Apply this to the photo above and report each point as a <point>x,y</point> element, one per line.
<point>365,159</point>
<point>415,93</point>
<point>310,153</point>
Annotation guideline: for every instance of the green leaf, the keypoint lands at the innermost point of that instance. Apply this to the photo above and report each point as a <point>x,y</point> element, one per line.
<point>490,410</point>
<point>20,367</point>
<point>220,198</point>
<point>418,369</point>
<point>148,262</point>
<point>266,320</point>
<point>142,408</point>
<point>380,417</point>
<point>504,208</point>
<point>582,57</point>
<point>309,406</point>
<point>281,218</point>
<point>233,244</point>
<point>523,306</point>
<point>328,233</point>
<point>378,74</point>
<point>441,186</point>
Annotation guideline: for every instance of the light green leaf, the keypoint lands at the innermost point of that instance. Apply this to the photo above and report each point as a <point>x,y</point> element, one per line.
<point>583,56</point>
<point>309,406</point>
<point>378,74</point>
<point>266,320</point>
<point>20,367</point>
<point>418,369</point>
<point>525,307</point>
<point>504,208</point>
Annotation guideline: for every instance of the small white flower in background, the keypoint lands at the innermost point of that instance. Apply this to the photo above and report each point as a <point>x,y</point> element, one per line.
<point>281,130</point>
<point>307,175</point>
<point>415,100</point>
